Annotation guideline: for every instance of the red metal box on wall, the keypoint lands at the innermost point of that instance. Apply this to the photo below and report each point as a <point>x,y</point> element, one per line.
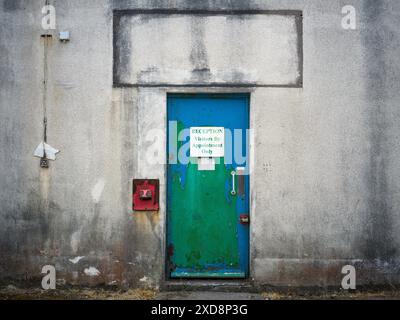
<point>146,194</point>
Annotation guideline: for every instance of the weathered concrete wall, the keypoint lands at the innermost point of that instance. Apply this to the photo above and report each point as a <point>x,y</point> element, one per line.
<point>325,181</point>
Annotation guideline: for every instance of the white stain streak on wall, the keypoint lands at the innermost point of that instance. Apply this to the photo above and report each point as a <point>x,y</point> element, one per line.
<point>98,190</point>
<point>75,237</point>
<point>76,259</point>
<point>92,272</point>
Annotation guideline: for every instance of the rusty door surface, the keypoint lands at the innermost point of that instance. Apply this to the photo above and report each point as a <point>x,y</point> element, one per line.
<point>208,186</point>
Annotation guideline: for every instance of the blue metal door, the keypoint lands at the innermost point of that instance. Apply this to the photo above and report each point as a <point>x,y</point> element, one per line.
<point>208,186</point>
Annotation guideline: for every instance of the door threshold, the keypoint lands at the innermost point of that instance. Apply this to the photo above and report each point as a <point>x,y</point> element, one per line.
<point>235,285</point>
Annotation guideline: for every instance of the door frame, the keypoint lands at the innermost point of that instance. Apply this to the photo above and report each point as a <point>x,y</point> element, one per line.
<point>208,91</point>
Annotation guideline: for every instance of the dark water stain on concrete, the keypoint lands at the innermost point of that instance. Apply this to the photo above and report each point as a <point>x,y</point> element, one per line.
<point>189,4</point>
<point>198,53</point>
<point>13,5</point>
<point>377,233</point>
<point>121,48</point>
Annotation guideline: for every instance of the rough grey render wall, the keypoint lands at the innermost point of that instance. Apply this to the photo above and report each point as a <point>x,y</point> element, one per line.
<point>325,187</point>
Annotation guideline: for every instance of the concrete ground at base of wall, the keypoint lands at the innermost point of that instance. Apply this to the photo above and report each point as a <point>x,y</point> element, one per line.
<point>208,295</point>
<point>14,293</point>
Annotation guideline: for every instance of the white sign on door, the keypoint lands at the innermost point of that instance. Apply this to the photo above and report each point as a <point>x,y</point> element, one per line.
<point>207,142</point>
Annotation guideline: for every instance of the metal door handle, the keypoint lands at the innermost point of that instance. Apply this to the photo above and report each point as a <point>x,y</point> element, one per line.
<point>233,191</point>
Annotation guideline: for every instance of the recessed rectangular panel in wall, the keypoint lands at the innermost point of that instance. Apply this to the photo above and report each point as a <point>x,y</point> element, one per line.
<point>192,48</point>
